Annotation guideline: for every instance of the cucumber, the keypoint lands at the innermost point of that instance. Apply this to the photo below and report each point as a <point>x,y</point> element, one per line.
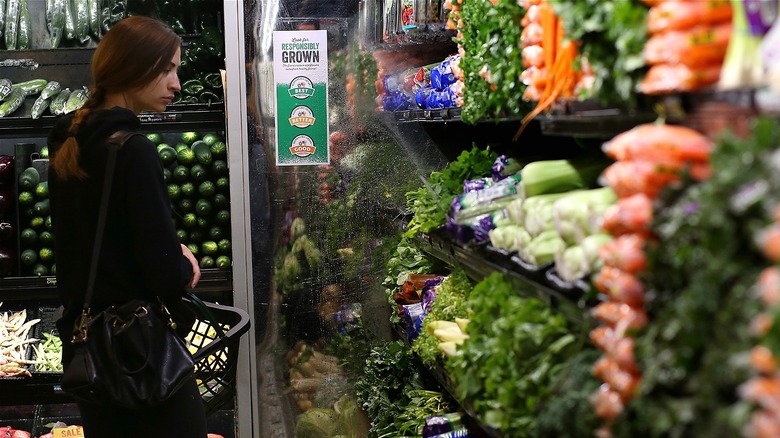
<point>202,152</point>
<point>46,238</point>
<point>42,191</point>
<point>13,102</point>
<point>70,20</point>
<point>224,246</point>
<point>33,86</point>
<point>209,247</point>
<point>188,189</point>
<point>11,24</point>
<point>203,207</point>
<point>174,191</point>
<point>42,208</point>
<point>181,173</point>
<point>49,6</point>
<point>196,236</point>
<point>211,138</point>
<point>206,189</point>
<point>190,220</point>
<point>185,205</point>
<point>216,233</point>
<point>207,262</point>
<point>93,10</point>
<point>26,198</point>
<point>198,173</point>
<point>29,257</point>
<point>29,179</point>
<point>57,106</point>
<point>75,100</point>
<point>220,201</point>
<point>182,235</point>
<point>223,262</point>
<point>81,20</point>
<point>5,86</point>
<point>167,174</point>
<point>186,157</point>
<point>40,270</point>
<point>51,89</point>
<point>218,150</point>
<point>39,107</point>
<point>167,155</point>
<point>219,168</point>
<point>28,237</point>
<point>204,223</point>
<point>24,36</point>
<point>57,28</point>
<point>2,17</point>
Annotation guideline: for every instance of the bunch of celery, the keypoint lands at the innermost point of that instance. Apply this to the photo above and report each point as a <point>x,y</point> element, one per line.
<point>555,217</point>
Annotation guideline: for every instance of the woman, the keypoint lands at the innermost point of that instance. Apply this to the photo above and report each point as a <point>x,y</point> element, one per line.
<point>134,69</point>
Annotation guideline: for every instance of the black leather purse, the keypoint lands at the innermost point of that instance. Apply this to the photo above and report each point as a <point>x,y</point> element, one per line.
<point>127,355</point>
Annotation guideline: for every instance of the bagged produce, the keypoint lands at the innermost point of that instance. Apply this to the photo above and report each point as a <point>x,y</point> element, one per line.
<point>676,15</point>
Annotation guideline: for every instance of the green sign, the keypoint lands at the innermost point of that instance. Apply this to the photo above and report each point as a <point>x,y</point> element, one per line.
<point>301,77</point>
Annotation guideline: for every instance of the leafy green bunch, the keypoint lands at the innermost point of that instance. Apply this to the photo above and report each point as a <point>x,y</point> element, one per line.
<point>612,34</point>
<point>517,347</point>
<point>393,394</point>
<point>450,303</point>
<point>492,50</point>
<point>431,202</point>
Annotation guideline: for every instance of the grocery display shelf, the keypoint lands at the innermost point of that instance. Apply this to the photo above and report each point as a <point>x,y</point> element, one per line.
<point>180,117</point>
<point>213,284</point>
<point>479,261</point>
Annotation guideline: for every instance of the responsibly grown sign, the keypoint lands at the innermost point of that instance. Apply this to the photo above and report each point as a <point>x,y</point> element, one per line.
<point>301,77</point>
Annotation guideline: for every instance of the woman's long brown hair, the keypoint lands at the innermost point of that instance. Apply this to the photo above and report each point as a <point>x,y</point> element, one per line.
<point>133,53</point>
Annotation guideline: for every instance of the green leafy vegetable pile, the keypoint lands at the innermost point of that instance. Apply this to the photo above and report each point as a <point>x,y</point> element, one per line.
<point>448,305</point>
<point>431,202</point>
<point>491,40</point>
<point>613,34</point>
<point>394,395</point>
<point>701,278</point>
<point>516,350</point>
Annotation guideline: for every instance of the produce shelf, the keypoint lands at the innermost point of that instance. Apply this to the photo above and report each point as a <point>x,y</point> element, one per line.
<point>440,375</point>
<point>189,117</point>
<point>212,283</point>
<point>570,299</point>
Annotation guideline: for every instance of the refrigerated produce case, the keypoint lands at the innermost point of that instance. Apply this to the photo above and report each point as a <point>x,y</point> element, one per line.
<point>203,187</point>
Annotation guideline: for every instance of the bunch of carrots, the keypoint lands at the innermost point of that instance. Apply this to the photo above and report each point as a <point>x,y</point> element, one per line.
<point>764,388</point>
<point>549,59</point>
<point>687,45</point>
<point>648,157</point>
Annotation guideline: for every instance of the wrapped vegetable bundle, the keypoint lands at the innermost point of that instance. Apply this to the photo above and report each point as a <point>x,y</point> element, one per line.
<point>687,45</point>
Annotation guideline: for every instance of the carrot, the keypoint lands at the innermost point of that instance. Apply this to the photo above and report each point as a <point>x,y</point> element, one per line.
<point>561,76</point>
<point>547,18</point>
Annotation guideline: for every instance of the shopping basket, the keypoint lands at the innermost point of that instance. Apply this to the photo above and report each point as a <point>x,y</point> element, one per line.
<point>213,342</point>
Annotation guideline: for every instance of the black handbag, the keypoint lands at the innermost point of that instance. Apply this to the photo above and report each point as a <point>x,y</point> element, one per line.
<point>126,355</point>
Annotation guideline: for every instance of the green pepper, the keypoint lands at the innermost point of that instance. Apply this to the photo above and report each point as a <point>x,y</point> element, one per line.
<point>213,80</point>
<point>192,87</point>
<point>209,97</point>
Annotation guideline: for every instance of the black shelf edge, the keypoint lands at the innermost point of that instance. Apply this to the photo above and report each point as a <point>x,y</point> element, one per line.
<point>195,117</point>
<point>479,262</point>
<point>212,282</point>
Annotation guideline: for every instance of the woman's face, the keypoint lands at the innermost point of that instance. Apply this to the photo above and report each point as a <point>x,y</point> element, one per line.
<point>156,95</point>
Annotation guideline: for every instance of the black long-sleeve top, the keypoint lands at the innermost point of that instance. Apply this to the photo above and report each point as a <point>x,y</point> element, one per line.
<point>141,255</point>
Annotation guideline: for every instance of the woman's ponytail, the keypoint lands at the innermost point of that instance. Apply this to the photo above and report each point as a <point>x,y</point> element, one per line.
<point>66,162</point>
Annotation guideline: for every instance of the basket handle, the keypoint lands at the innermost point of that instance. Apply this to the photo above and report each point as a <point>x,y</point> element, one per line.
<point>203,309</point>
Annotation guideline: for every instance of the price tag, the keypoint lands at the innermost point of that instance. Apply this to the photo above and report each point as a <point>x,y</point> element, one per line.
<point>68,432</point>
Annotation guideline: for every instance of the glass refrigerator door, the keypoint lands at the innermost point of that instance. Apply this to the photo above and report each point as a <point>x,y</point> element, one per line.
<point>325,187</point>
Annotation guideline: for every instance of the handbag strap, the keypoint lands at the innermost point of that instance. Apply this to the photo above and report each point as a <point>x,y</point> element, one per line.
<point>114,142</point>
<point>204,310</point>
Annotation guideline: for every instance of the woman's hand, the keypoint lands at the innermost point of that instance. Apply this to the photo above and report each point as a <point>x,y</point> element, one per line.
<point>195,268</point>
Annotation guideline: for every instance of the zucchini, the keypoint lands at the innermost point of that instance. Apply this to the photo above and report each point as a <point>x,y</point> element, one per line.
<point>5,86</point>
<point>198,173</point>
<point>13,102</point>
<point>70,20</point>
<point>76,100</point>
<point>57,106</point>
<point>33,86</point>
<point>57,28</point>
<point>51,89</point>
<point>81,20</point>
<point>39,106</point>
<point>11,24</point>
<point>24,36</point>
